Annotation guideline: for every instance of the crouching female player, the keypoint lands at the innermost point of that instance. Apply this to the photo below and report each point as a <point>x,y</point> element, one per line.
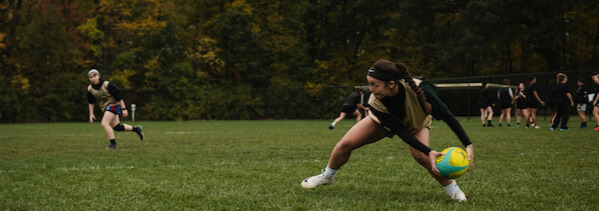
<point>398,107</point>
<point>109,99</point>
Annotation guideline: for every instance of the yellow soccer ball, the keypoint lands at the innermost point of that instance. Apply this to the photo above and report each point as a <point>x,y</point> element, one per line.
<point>454,163</point>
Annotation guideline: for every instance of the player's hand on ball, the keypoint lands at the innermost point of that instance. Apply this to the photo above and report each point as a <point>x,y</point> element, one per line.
<point>470,152</point>
<point>432,156</point>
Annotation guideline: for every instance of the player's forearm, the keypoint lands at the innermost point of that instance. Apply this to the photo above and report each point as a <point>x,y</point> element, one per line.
<point>570,97</point>
<point>457,129</point>
<point>91,109</point>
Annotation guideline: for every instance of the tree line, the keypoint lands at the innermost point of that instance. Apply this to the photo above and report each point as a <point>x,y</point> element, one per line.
<point>261,59</point>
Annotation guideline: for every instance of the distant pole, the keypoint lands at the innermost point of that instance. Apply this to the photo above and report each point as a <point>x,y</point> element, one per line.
<point>468,102</point>
<point>133,112</point>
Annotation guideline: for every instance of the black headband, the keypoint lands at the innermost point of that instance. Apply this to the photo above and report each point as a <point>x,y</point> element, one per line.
<point>381,75</point>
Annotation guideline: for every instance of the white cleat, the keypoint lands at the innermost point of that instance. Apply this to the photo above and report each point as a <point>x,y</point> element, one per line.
<point>459,196</point>
<point>314,181</point>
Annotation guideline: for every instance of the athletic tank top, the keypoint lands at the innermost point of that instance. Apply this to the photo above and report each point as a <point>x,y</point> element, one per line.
<point>102,96</point>
<point>415,118</point>
<point>504,94</point>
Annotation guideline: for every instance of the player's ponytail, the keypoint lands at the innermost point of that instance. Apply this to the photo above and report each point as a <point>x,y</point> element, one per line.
<point>404,74</point>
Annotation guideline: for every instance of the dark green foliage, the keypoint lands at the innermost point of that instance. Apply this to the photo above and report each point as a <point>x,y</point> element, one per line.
<point>261,59</point>
<point>9,99</point>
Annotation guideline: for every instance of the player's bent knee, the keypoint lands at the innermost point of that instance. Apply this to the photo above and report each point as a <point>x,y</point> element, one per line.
<point>106,124</point>
<point>346,145</point>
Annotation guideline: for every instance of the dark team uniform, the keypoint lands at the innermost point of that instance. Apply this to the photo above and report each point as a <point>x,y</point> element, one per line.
<point>596,91</point>
<point>581,97</point>
<point>505,100</point>
<point>550,102</point>
<point>484,100</point>
<point>402,115</point>
<point>351,103</point>
<point>531,101</point>
<point>521,100</point>
<point>562,104</point>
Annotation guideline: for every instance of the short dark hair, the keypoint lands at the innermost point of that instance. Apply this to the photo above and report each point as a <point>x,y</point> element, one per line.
<point>506,81</point>
<point>530,78</point>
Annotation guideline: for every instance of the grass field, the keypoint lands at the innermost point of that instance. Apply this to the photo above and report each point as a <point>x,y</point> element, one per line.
<point>258,165</point>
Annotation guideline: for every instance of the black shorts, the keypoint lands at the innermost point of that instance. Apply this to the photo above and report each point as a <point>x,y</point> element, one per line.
<point>505,105</point>
<point>484,105</point>
<point>348,109</point>
<point>532,104</point>
<point>521,106</point>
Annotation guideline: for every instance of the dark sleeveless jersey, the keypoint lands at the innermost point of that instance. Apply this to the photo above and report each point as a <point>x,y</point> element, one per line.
<point>504,95</point>
<point>483,97</point>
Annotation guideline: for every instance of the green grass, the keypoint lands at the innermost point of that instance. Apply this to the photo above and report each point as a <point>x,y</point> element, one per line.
<point>258,165</point>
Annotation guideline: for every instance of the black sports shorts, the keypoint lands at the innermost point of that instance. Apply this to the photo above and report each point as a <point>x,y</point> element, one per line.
<point>532,104</point>
<point>348,109</point>
<point>505,105</point>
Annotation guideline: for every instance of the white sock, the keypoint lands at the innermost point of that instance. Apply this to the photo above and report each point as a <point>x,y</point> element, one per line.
<point>329,172</point>
<point>452,188</point>
<point>332,124</point>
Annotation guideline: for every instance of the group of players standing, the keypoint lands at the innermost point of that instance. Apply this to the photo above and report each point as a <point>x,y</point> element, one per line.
<point>526,102</point>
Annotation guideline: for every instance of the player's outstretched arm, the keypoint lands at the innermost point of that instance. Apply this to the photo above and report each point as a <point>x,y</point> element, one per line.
<point>92,117</point>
